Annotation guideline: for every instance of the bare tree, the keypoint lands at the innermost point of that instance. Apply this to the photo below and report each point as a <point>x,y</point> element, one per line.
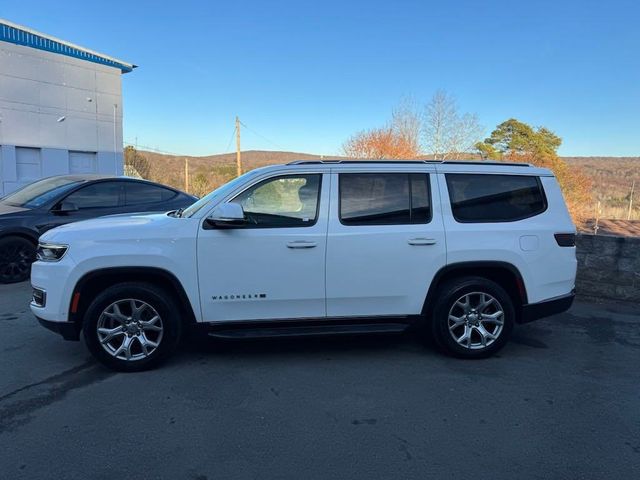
<point>447,134</point>
<point>399,139</point>
<point>379,143</point>
<point>406,125</point>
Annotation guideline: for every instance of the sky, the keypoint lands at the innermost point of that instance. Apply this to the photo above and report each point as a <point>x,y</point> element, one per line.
<point>305,75</point>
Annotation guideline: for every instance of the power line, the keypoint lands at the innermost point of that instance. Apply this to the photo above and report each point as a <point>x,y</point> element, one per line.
<point>262,136</point>
<point>153,149</point>
<point>233,133</point>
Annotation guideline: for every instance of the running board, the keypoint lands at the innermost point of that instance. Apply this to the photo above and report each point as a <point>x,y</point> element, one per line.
<point>305,331</point>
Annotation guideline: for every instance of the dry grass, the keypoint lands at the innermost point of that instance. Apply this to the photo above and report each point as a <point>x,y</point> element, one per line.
<point>618,228</point>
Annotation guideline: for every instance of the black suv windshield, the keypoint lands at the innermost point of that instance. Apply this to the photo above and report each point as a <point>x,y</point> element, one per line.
<point>38,193</point>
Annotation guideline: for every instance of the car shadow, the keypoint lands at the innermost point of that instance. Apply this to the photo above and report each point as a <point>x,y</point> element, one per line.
<point>303,344</point>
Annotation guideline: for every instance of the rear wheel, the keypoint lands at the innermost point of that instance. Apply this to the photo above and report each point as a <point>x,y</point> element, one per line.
<point>473,317</point>
<point>16,256</point>
<point>132,326</point>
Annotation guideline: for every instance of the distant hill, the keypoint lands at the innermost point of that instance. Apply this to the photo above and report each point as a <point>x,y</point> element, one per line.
<point>611,176</point>
<point>250,159</point>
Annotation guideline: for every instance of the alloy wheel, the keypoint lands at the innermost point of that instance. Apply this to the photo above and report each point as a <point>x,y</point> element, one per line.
<point>476,320</point>
<point>130,329</point>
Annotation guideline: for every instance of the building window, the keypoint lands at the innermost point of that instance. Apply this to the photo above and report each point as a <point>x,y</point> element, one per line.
<point>83,162</point>
<point>28,164</point>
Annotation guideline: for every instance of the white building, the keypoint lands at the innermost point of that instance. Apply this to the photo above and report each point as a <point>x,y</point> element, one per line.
<point>60,108</point>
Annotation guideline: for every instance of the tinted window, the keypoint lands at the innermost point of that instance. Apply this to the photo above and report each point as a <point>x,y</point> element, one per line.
<point>494,198</point>
<point>384,198</point>
<point>97,195</point>
<point>139,193</point>
<point>287,201</point>
<point>38,193</point>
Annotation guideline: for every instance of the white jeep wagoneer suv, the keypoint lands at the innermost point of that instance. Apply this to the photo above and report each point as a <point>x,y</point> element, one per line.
<point>462,251</point>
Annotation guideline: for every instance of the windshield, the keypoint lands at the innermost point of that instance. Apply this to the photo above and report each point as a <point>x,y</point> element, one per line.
<point>38,193</point>
<point>221,191</point>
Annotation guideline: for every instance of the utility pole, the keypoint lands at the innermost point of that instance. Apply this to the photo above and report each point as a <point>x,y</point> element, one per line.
<point>238,158</point>
<point>186,175</point>
<point>633,186</point>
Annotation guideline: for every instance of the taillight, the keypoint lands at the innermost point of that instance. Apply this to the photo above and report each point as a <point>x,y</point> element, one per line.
<point>566,239</point>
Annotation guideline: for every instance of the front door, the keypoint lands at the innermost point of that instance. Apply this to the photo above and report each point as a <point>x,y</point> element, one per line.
<point>385,242</point>
<point>272,267</point>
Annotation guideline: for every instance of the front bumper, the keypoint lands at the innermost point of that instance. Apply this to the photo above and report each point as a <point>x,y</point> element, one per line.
<point>68,330</point>
<point>553,306</point>
<point>57,279</point>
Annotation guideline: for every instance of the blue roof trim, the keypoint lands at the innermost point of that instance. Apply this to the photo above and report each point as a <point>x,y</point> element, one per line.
<point>20,37</point>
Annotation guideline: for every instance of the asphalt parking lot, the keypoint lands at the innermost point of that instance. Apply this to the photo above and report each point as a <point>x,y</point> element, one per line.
<point>562,400</point>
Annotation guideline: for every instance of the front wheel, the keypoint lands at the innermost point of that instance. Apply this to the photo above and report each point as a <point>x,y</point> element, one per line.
<point>132,327</point>
<point>16,256</point>
<point>473,317</point>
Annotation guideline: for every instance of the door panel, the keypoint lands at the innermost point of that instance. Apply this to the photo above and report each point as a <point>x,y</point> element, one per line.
<point>268,270</point>
<point>375,268</point>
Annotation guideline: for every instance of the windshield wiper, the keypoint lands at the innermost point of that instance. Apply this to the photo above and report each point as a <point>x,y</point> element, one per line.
<point>178,213</point>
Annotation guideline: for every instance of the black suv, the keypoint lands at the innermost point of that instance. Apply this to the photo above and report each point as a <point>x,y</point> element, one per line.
<point>54,201</point>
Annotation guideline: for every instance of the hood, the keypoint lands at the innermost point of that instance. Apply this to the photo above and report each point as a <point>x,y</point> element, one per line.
<point>6,209</point>
<point>115,227</point>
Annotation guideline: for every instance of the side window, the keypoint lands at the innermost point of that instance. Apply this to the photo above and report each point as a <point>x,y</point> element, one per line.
<point>384,198</point>
<point>479,198</point>
<point>141,193</point>
<point>285,201</point>
<point>97,195</point>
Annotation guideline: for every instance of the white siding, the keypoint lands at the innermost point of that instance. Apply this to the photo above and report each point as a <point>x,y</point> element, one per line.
<point>37,90</point>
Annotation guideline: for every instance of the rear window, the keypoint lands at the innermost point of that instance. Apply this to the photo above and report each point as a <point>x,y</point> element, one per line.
<point>141,193</point>
<point>494,198</point>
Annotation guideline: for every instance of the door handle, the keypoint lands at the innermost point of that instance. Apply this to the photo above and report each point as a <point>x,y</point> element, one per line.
<point>422,241</point>
<point>301,244</point>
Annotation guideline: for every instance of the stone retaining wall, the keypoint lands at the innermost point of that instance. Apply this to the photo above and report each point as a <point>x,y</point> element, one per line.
<point>608,267</point>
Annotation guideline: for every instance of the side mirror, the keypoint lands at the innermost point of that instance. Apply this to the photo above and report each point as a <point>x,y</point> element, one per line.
<point>66,207</point>
<point>227,215</point>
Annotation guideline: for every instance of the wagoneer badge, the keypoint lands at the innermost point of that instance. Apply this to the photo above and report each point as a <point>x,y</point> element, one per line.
<point>246,296</point>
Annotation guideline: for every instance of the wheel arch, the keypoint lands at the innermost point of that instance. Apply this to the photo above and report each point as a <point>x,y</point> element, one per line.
<point>95,281</point>
<point>504,274</point>
<point>21,233</point>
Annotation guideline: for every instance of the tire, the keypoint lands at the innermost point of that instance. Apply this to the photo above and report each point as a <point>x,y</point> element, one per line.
<point>473,317</point>
<point>131,327</point>
<point>16,256</point>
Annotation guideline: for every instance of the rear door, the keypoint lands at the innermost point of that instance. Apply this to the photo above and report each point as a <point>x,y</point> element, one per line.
<point>385,241</point>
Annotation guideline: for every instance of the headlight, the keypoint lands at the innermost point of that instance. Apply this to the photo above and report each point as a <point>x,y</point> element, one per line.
<point>49,252</point>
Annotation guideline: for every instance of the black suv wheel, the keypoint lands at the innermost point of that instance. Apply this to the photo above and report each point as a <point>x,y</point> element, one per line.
<point>473,317</point>
<point>16,256</point>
